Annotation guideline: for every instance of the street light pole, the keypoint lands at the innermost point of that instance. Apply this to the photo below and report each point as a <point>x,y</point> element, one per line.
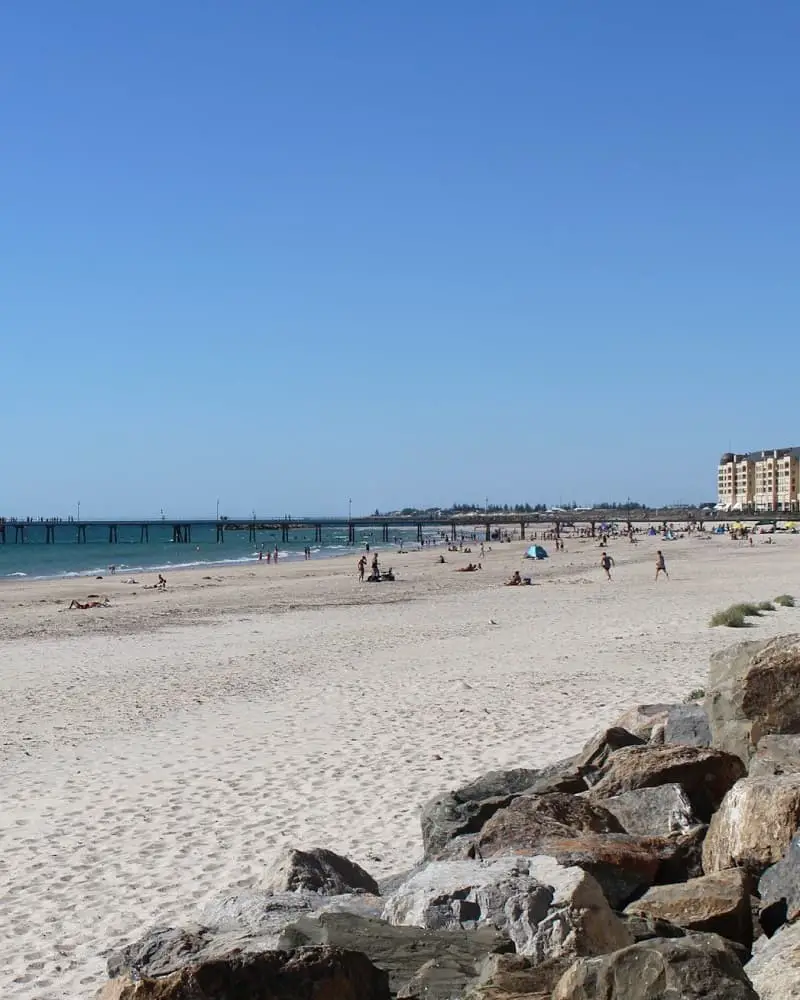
<point>218,509</point>
<point>350,509</point>
<point>79,512</point>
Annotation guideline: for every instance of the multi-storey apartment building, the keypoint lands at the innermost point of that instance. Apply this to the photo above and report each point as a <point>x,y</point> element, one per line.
<point>760,480</point>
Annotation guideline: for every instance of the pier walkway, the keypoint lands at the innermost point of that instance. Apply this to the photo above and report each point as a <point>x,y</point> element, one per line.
<point>46,531</point>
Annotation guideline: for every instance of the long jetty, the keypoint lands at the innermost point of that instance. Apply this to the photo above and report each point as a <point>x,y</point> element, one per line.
<point>20,531</point>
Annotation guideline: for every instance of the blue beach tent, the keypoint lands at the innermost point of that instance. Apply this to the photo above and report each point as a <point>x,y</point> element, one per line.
<point>536,552</point>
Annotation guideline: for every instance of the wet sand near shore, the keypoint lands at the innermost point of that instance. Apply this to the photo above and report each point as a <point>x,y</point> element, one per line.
<point>160,751</point>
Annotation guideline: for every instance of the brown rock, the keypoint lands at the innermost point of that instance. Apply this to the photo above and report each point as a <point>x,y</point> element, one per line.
<point>621,864</point>
<point>523,823</point>
<point>754,690</point>
<point>718,904</point>
<point>754,825</point>
<point>309,974</point>
<point>704,774</point>
<point>695,966</point>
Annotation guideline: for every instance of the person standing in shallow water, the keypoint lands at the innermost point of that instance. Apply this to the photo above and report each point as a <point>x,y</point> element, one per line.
<point>606,562</point>
<point>661,565</point>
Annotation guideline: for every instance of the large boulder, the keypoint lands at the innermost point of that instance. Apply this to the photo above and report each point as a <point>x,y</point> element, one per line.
<point>753,690</point>
<point>622,865</point>
<point>547,910</point>
<point>779,886</point>
<point>310,974</point>
<point>318,870</point>
<point>775,755</point>
<point>775,969</point>
<point>523,823</point>
<point>718,904</point>
<point>465,810</point>
<point>436,964</point>
<point>704,774</point>
<point>754,825</point>
<point>653,812</point>
<point>695,966</point>
<point>688,725</point>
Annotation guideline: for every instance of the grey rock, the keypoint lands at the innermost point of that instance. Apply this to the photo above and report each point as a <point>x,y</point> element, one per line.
<point>162,950</point>
<point>547,910</point>
<point>440,964</point>
<point>775,968</point>
<point>779,886</point>
<point>257,912</point>
<point>695,966</point>
<point>688,725</point>
<point>318,870</point>
<point>775,755</point>
<point>753,691</point>
<point>653,812</point>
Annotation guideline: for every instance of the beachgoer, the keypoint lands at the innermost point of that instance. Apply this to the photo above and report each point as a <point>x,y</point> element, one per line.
<point>275,554</point>
<point>516,579</point>
<point>362,565</point>
<point>375,571</point>
<point>162,582</point>
<point>661,566</point>
<point>606,562</point>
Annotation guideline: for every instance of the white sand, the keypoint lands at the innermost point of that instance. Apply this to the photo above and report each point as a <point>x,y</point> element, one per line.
<point>159,752</point>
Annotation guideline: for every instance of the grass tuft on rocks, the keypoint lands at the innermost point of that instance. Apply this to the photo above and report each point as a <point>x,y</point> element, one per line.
<point>732,617</point>
<point>785,600</point>
<point>766,606</point>
<point>697,695</point>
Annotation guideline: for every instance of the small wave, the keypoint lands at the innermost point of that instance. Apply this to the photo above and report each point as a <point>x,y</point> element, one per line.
<point>17,574</point>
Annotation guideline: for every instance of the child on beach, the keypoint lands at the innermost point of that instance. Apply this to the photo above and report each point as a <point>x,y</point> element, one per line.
<point>661,566</point>
<point>606,562</point>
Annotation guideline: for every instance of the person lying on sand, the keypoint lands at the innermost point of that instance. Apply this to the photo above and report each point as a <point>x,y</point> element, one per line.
<point>89,604</point>
<point>469,568</point>
<point>516,579</point>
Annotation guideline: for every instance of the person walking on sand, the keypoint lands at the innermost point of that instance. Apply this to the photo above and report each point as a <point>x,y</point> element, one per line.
<point>362,565</point>
<point>606,562</point>
<point>661,566</point>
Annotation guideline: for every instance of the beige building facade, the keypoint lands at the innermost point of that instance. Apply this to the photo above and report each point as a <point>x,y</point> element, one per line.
<point>760,480</point>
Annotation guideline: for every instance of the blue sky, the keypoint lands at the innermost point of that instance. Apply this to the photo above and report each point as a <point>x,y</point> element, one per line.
<point>285,254</point>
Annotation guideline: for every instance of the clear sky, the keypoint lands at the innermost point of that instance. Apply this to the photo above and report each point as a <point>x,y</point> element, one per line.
<point>283,254</point>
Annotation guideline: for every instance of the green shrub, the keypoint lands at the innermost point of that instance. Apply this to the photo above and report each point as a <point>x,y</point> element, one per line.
<point>785,600</point>
<point>747,608</point>
<point>732,617</point>
<point>695,695</point>
<point>766,606</point>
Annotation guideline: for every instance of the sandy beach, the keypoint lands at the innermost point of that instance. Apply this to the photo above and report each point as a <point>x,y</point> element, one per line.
<point>160,751</point>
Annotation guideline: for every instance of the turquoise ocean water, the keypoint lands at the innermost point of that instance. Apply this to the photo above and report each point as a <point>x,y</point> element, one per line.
<point>36,560</point>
